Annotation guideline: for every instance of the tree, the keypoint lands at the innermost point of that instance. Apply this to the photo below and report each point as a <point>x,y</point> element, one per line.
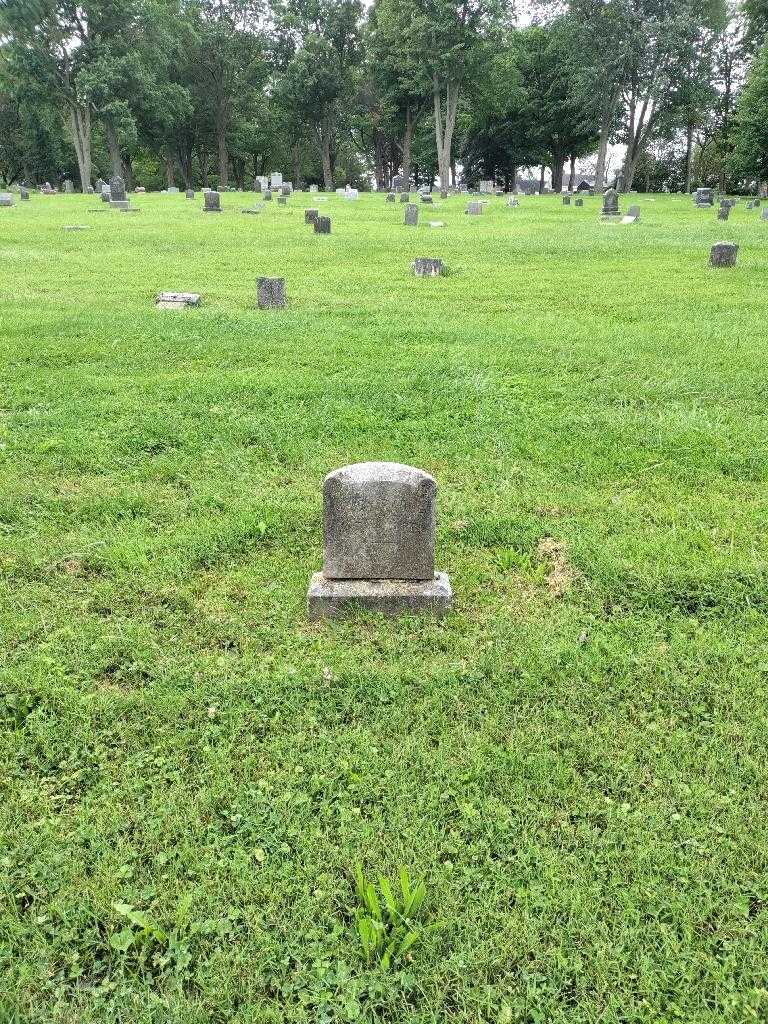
<point>750,132</point>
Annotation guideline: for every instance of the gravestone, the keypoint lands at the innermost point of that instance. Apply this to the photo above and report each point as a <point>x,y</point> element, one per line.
<point>6,199</point>
<point>100,183</point>
<point>391,197</point>
<point>257,184</point>
<point>172,191</point>
<point>750,205</point>
<point>23,192</point>
<point>704,197</point>
<point>282,200</point>
<point>436,223</point>
<point>426,198</point>
<point>405,197</point>
<point>275,179</point>
<point>267,195</point>
<point>117,189</point>
<point>425,266</point>
<point>323,226</point>
<point>310,216</point>
<point>764,214</point>
<point>313,189</point>
<point>177,300</point>
<point>723,254</point>
<point>379,543</point>
<point>398,183</point>
<point>69,187</point>
<point>270,293</point>
<point>190,193</point>
<point>566,200</point>
<point>756,204</point>
<point>486,187</point>
<point>724,212</point>
<point>512,203</point>
<point>286,189</point>
<point>634,211</point>
<point>443,194</point>
<point>411,215</point>
<point>610,203</point>
<point>578,202</point>
<point>105,194</point>
<point>211,202</point>
<point>474,209</point>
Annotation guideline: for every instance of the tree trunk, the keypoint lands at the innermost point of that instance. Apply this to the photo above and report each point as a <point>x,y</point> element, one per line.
<point>202,159</point>
<point>541,179</point>
<point>221,140</point>
<point>688,156</point>
<point>444,128</point>
<point>325,149</point>
<point>113,148</point>
<point>572,174</point>
<point>605,133</point>
<point>296,154</point>
<point>410,126</point>
<point>80,126</point>
<point>170,181</point>
<point>557,171</point>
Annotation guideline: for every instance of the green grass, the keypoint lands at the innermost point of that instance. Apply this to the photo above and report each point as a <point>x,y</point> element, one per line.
<point>574,761</point>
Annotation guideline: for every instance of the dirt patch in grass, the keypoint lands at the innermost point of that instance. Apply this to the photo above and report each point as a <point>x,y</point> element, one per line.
<point>560,573</point>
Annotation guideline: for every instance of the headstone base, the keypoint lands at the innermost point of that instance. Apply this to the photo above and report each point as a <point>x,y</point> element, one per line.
<point>334,599</point>
<point>120,204</point>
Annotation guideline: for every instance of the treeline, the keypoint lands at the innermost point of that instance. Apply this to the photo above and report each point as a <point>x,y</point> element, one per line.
<point>214,92</point>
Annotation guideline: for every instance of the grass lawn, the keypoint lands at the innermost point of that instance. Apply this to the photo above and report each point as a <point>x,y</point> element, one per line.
<point>574,760</point>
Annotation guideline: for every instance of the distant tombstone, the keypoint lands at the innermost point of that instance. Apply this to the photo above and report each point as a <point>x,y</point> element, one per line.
<point>351,193</point>
<point>634,211</point>
<point>212,202</point>
<point>267,196</point>
<point>190,193</point>
<point>171,191</point>
<point>310,216</point>
<point>282,200</point>
<point>426,198</point>
<point>750,205</point>
<point>275,179</point>
<point>756,204</point>
<point>724,213</point>
<point>443,194</point>
<point>69,187</point>
<point>323,226</point>
<point>436,223</point>
<point>425,266</point>
<point>610,203</point>
<point>257,184</point>
<point>411,215</point>
<point>566,200</point>
<point>398,183</point>
<point>177,300</point>
<point>313,189</point>
<point>286,188</point>
<point>391,197</point>
<point>704,197</point>
<point>763,215</point>
<point>23,192</point>
<point>117,190</point>
<point>105,194</point>
<point>486,187</point>
<point>379,543</point>
<point>405,197</point>
<point>723,254</point>
<point>6,199</point>
<point>474,209</point>
<point>513,202</point>
<point>100,183</point>
<point>270,293</point>
<point>578,202</point>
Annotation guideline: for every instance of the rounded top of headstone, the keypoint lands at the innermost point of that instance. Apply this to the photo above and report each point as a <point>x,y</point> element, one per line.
<point>391,471</point>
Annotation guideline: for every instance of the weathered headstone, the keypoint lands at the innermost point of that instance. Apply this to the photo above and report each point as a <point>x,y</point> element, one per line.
<point>756,203</point>
<point>177,300</point>
<point>443,193</point>
<point>313,189</point>
<point>267,195</point>
<point>270,293</point>
<point>566,200</point>
<point>69,187</point>
<point>398,183</point>
<point>172,191</point>
<point>117,189</point>
<point>6,199</point>
<point>411,215</point>
<point>610,203</point>
<point>23,192</point>
<point>578,202</point>
<point>105,194</point>
<point>257,183</point>
<point>425,266</point>
<point>286,189</point>
<point>190,193</point>
<point>310,216</point>
<point>391,197</point>
<point>405,197</point>
<point>323,226</point>
<point>282,200</point>
<point>474,208</point>
<point>704,197</point>
<point>723,254</point>
<point>634,211</point>
<point>275,179</point>
<point>379,542</point>
<point>426,198</point>
<point>763,215</point>
<point>724,213</point>
<point>211,202</point>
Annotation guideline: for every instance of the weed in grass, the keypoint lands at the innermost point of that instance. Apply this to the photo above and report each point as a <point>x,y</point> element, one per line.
<point>388,921</point>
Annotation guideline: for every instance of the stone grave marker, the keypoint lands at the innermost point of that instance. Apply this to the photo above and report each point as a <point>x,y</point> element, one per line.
<point>69,187</point>
<point>723,254</point>
<point>190,193</point>
<point>23,192</point>
<point>177,300</point>
<point>310,216</point>
<point>724,212</point>
<point>391,197</point>
<point>411,215</point>
<point>6,199</point>
<point>267,195</point>
<point>323,226</point>
<point>426,198</point>
<point>578,201</point>
<point>474,209</point>
<point>610,203</point>
<point>282,200</point>
<point>566,200</point>
<point>436,223</point>
<point>270,293</point>
<point>425,266</point>
<point>398,183</point>
<point>405,197</point>
<point>443,193</point>
<point>313,189</point>
<point>704,197</point>
<point>211,202</point>
<point>379,543</point>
